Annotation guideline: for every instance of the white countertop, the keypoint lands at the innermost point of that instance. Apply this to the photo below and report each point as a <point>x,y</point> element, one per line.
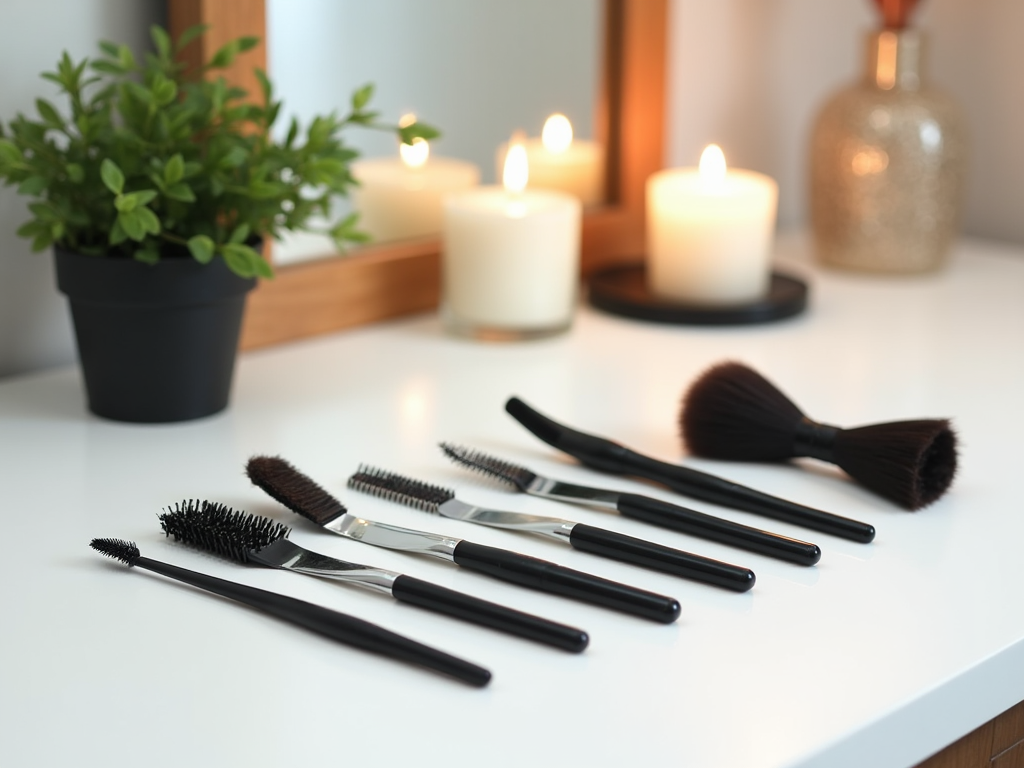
<point>879,656</point>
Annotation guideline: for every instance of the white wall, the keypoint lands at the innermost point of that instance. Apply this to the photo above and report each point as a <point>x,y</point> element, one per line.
<point>35,331</point>
<point>751,74</point>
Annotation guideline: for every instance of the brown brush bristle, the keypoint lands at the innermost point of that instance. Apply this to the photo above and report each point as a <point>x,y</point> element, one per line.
<point>911,462</point>
<point>287,485</point>
<point>733,412</point>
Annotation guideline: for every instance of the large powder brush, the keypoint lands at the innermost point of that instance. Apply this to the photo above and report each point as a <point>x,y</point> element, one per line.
<point>733,412</point>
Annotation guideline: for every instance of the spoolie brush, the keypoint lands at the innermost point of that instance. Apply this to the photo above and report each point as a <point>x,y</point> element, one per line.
<point>732,412</point>
<point>332,624</point>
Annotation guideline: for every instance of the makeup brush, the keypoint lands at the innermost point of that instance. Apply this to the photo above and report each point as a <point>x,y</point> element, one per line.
<point>733,412</point>
<point>250,539</point>
<point>586,538</point>
<point>332,624</point>
<point>607,456</point>
<point>638,507</point>
<point>284,483</point>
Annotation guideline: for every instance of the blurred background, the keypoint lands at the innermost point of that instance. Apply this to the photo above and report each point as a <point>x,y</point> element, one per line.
<point>747,74</point>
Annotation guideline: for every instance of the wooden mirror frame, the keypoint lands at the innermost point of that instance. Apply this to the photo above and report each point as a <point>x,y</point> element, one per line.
<point>392,279</point>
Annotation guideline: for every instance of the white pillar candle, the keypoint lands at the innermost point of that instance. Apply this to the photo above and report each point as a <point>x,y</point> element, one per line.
<point>511,258</point>
<point>400,197</point>
<point>709,232</point>
<point>559,161</point>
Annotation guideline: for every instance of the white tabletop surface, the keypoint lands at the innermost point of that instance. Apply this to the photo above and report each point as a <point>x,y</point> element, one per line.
<point>879,656</point>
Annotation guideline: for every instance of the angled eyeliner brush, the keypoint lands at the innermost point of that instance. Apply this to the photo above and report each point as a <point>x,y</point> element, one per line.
<point>337,626</point>
<point>258,540</point>
<point>284,483</point>
<point>638,507</point>
<point>607,456</point>
<point>586,538</point>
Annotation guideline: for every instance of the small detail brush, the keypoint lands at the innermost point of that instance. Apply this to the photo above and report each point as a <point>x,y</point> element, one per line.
<point>586,538</point>
<point>638,507</point>
<point>284,483</point>
<point>607,456</point>
<point>733,412</point>
<point>337,626</point>
<point>258,540</point>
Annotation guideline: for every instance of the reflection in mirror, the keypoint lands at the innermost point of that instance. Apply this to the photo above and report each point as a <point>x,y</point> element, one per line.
<point>476,69</point>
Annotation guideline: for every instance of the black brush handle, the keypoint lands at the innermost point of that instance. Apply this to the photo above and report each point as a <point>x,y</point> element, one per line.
<point>716,529</point>
<point>476,611</point>
<point>539,574</point>
<point>337,626</point>
<point>647,554</point>
<point>608,456</point>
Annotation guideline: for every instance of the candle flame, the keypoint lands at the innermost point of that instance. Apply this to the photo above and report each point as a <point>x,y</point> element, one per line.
<point>414,155</point>
<point>712,165</point>
<point>517,168</point>
<point>557,134</point>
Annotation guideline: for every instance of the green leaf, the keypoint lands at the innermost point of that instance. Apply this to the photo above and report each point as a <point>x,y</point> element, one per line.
<point>417,131</point>
<point>149,220</point>
<point>131,222</point>
<point>9,152</point>
<point>164,92</point>
<point>181,192</point>
<point>362,97</point>
<point>262,268</point>
<point>149,255</point>
<point>240,259</point>
<point>240,233</point>
<point>201,247</point>
<point>107,67</point>
<point>247,43</point>
<point>109,48</point>
<point>111,175</point>
<point>234,158</point>
<point>75,173</point>
<point>117,233</point>
<point>265,87</point>
<point>125,57</point>
<point>31,228</point>
<point>42,241</point>
<point>49,113</point>
<point>174,170</point>
<point>161,40</point>
<point>57,231</point>
<point>144,196</point>
<point>32,186</point>
<point>125,203</point>
<point>191,34</point>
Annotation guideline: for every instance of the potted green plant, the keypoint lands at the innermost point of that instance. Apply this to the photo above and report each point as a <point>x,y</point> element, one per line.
<point>155,191</point>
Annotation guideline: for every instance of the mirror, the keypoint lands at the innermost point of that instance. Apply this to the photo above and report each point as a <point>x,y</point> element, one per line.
<point>398,278</point>
<point>477,70</point>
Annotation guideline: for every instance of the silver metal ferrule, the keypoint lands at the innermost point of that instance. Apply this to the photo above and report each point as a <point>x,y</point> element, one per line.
<point>393,537</point>
<point>516,521</point>
<point>574,494</point>
<point>289,556</point>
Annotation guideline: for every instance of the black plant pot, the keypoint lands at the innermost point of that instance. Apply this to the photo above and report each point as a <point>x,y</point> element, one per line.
<point>157,343</point>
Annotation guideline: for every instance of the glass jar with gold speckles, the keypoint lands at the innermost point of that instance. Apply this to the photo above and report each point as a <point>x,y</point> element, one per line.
<point>888,158</point>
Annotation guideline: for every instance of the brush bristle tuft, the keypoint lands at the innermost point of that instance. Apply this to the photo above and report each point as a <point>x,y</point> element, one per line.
<point>119,549</point>
<point>733,412</point>
<point>503,471</point>
<point>399,488</point>
<point>288,486</point>
<point>221,530</point>
<point>910,462</point>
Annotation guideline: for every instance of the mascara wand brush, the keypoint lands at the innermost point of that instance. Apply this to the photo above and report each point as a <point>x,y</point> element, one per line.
<point>255,540</point>
<point>733,412</point>
<point>332,624</point>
